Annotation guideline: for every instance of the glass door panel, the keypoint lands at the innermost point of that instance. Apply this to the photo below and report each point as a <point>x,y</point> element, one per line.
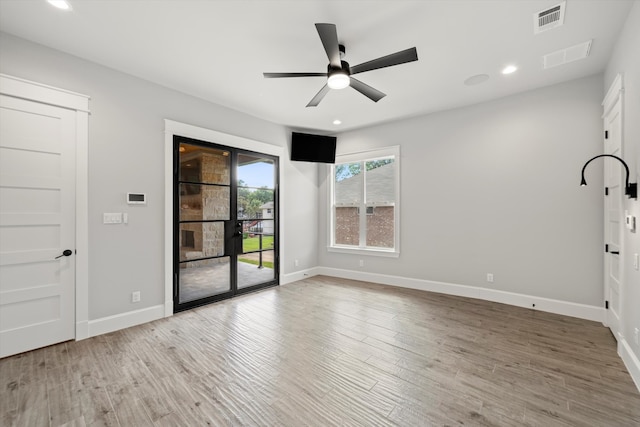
<point>257,209</point>
<point>204,278</point>
<point>203,210</point>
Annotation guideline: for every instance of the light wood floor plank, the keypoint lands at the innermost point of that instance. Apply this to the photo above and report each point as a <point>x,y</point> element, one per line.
<point>330,352</point>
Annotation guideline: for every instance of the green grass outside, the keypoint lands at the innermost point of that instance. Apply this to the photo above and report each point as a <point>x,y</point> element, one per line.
<point>253,243</point>
<point>267,264</point>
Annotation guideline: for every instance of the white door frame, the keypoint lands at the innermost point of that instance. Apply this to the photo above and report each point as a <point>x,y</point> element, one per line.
<point>614,97</point>
<point>172,128</point>
<point>32,91</point>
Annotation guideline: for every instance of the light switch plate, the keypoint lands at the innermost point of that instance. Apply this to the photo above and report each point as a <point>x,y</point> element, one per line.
<point>112,218</point>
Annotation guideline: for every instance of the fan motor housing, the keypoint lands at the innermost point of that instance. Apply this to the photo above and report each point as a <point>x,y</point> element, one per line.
<point>345,68</point>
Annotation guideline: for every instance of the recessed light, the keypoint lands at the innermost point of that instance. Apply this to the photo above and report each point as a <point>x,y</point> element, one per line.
<point>509,69</point>
<point>337,122</point>
<point>60,4</point>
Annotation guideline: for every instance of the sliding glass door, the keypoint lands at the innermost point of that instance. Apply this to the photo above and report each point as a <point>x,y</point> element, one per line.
<point>225,222</point>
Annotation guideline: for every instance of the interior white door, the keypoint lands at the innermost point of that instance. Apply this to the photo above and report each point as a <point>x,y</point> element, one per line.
<point>613,181</point>
<point>37,223</point>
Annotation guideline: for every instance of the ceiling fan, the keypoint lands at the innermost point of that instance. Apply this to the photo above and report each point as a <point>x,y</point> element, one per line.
<point>339,73</point>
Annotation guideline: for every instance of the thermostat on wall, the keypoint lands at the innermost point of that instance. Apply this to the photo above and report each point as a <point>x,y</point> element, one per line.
<point>136,198</point>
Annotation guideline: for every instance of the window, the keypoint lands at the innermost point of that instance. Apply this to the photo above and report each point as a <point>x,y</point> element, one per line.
<point>364,198</point>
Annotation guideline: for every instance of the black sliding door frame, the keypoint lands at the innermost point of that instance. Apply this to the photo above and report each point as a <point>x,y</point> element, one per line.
<point>233,226</point>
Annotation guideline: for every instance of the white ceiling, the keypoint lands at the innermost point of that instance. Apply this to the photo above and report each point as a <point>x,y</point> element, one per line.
<point>217,50</point>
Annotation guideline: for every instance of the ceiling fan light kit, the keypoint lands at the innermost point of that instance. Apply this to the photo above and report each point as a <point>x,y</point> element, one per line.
<point>339,73</point>
<point>338,80</point>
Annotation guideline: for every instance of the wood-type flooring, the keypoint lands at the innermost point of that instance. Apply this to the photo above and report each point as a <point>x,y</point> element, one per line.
<point>330,352</point>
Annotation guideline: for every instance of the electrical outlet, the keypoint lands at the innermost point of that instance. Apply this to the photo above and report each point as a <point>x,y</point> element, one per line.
<point>636,261</point>
<point>635,332</point>
<point>490,277</point>
<point>361,263</point>
<point>296,263</point>
<point>135,296</point>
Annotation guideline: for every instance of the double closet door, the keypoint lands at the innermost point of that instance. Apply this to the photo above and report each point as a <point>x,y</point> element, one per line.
<point>225,222</point>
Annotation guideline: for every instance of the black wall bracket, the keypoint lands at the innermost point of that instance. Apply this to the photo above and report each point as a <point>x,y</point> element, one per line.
<point>630,189</point>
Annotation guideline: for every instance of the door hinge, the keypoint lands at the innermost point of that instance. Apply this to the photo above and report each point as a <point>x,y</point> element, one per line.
<point>606,134</point>
<point>606,248</point>
<point>606,191</point>
<point>606,305</point>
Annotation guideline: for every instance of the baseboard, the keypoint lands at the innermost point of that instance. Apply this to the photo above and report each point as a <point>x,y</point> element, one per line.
<point>630,360</point>
<point>299,275</point>
<point>82,330</point>
<point>125,320</point>
<point>581,311</point>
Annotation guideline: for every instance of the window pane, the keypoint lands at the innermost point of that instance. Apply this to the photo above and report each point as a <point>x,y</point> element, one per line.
<point>380,227</point>
<point>201,240</point>
<point>203,202</point>
<point>204,164</point>
<point>380,182</point>
<point>255,268</point>
<point>255,203</point>
<point>201,279</point>
<point>257,235</point>
<point>348,184</point>
<point>255,172</point>
<point>347,226</point>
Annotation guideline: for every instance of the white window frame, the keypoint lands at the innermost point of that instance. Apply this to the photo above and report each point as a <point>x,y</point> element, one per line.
<point>393,151</point>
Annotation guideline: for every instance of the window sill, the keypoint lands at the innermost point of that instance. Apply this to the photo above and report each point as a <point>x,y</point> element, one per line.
<point>389,253</point>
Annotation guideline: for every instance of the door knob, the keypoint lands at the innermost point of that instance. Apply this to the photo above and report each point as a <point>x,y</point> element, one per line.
<point>66,252</point>
<point>238,233</point>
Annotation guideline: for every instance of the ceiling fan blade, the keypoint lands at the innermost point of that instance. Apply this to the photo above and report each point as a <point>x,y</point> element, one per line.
<point>277,75</point>
<point>373,94</point>
<point>316,99</point>
<point>329,37</point>
<point>397,58</point>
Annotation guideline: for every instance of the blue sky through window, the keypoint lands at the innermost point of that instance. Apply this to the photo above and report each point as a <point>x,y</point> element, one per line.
<point>256,174</point>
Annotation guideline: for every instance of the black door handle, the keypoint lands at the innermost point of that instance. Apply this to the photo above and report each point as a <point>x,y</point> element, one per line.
<point>615,252</point>
<point>66,252</point>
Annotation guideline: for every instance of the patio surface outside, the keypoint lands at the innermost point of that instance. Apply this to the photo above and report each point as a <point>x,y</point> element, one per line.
<point>201,282</point>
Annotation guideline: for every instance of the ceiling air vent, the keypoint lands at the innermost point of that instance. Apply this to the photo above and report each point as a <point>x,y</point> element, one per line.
<point>549,18</point>
<point>564,56</point>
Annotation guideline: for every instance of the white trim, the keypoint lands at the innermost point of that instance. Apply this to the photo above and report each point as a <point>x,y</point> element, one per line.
<point>299,275</point>
<point>630,361</point>
<point>172,128</point>
<point>34,91</point>
<point>376,153</point>
<point>37,92</point>
<point>125,320</point>
<point>390,253</point>
<point>615,91</point>
<point>566,308</point>
<point>82,225</point>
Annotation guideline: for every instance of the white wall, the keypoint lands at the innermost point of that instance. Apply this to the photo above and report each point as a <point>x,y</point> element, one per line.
<point>626,60</point>
<point>126,140</point>
<point>494,188</point>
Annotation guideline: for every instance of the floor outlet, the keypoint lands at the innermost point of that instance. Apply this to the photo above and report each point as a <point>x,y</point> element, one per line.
<point>490,277</point>
<point>135,296</point>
